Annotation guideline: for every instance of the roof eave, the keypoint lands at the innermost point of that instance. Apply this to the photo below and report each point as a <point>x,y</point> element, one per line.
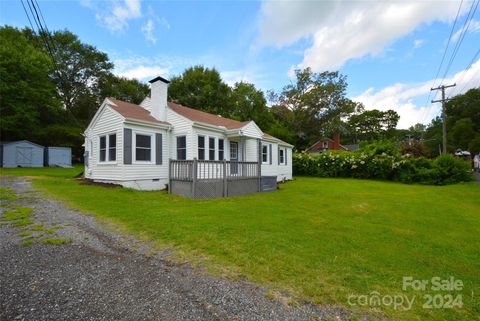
<point>133,121</point>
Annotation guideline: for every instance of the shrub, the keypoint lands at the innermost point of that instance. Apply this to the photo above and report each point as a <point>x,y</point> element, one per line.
<point>385,164</point>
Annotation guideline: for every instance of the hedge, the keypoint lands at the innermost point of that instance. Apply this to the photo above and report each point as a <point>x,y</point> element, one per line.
<point>374,163</point>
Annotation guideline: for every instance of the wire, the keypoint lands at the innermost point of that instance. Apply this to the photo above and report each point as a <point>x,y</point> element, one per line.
<point>464,30</point>
<point>427,109</point>
<point>465,72</point>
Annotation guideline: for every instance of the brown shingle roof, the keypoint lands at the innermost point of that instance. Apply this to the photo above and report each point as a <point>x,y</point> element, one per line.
<point>132,111</point>
<point>203,117</point>
<point>268,136</point>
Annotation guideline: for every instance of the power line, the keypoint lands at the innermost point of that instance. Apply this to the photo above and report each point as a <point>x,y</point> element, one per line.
<point>464,30</point>
<point>425,113</point>
<point>465,72</point>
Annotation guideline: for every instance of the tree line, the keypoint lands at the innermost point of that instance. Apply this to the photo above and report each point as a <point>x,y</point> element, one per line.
<point>50,96</point>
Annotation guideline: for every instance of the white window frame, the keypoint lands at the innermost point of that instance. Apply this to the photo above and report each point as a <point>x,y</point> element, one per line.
<point>204,147</point>
<point>176,145</point>
<point>134,147</point>
<point>284,152</point>
<point>107,160</point>
<point>221,150</point>
<point>236,150</point>
<point>267,162</point>
<point>214,147</point>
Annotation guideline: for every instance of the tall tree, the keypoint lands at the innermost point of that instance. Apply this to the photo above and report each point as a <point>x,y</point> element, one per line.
<point>317,101</point>
<point>28,98</point>
<point>201,88</point>
<point>373,124</point>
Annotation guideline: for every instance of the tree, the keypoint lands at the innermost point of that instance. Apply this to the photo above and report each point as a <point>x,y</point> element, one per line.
<point>130,90</point>
<point>317,102</point>
<point>462,133</point>
<point>373,124</point>
<point>201,88</point>
<point>78,68</point>
<point>28,96</point>
<point>474,145</point>
<point>249,103</point>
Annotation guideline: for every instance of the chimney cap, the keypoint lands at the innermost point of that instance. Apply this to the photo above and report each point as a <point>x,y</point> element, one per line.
<point>159,78</point>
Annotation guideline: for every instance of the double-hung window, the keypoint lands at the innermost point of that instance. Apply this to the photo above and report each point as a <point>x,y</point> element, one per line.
<point>201,147</point>
<point>264,154</point>
<point>282,156</point>
<point>182,147</point>
<point>108,148</point>
<point>221,154</point>
<point>143,148</point>
<point>211,148</point>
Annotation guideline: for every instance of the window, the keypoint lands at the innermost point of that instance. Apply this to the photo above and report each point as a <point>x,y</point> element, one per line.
<point>325,145</point>
<point>108,148</point>
<point>220,150</point>
<point>282,156</point>
<point>211,148</point>
<point>264,153</point>
<point>112,147</point>
<point>233,151</point>
<point>181,147</point>
<point>201,147</point>
<point>143,148</point>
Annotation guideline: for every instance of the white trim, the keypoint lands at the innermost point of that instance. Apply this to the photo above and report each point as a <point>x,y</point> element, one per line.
<point>134,147</point>
<point>107,160</point>
<point>267,162</point>
<point>130,121</point>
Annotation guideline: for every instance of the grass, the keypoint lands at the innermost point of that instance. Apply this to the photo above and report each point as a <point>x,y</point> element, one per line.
<point>7,194</point>
<point>56,241</point>
<point>316,239</point>
<point>44,171</point>
<point>16,213</point>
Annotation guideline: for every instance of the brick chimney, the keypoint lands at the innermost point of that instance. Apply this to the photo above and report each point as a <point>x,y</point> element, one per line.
<point>336,141</point>
<point>158,97</point>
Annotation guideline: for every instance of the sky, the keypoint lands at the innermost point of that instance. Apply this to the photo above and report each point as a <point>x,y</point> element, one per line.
<point>390,51</point>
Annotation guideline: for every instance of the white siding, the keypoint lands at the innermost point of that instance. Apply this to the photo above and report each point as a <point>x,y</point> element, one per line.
<point>108,122</point>
<point>143,171</point>
<point>251,152</point>
<point>252,130</point>
<point>282,171</point>
<point>181,126</point>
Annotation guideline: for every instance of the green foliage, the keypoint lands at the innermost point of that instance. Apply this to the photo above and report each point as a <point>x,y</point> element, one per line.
<point>382,161</point>
<point>474,145</point>
<point>373,124</point>
<point>201,88</point>
<point>28,97</point>
<point>313,105</point>
<point>7,194</point>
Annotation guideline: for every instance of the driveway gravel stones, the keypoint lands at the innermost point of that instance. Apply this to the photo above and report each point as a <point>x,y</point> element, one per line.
<point>101,275</point>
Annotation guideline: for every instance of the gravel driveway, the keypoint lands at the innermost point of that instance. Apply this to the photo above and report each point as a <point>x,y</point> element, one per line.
<point>99,275</point>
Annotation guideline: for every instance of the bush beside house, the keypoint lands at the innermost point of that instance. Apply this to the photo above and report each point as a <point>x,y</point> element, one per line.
<point>385,163</point>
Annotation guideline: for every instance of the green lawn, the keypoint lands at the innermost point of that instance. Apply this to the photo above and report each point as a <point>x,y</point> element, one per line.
<point>317,239</point>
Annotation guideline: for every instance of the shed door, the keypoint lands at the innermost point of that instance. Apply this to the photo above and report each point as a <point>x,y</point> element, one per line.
<point>24,156</point>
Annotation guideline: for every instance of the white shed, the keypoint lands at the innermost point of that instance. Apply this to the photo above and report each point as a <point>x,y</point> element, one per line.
<point>21,154</point>
<point>58,156</point>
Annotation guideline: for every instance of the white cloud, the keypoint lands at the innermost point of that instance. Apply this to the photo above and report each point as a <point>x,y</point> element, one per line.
<point>474,26</point>
<point>343,30</point>
<point>148,31</point>
<point>400,97</point>
<point>143,72</point>
<point>115,14</point>
<point>418,43</point>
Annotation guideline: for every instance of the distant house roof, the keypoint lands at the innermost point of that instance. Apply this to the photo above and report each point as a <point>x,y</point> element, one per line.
<point>207,118</point>
<point>351,147</point>
<point>132,111</point>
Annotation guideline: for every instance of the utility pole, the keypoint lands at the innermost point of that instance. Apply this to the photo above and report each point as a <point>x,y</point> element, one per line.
<point>444,114</point>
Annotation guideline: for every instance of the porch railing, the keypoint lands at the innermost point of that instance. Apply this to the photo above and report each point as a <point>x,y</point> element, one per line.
<point>204,178</point>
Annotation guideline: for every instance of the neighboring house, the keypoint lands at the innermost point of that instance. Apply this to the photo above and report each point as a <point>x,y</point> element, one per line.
<point>326,144</point>
<point>147,146</point>
<point>21,154</point>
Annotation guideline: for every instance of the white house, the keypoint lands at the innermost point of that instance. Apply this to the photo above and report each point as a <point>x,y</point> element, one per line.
<point>134,145</point>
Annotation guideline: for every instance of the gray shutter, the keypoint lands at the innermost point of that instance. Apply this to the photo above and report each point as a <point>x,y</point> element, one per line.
<point>270,152</point>
<point>278,154</point>
<point>286,154</point>
<point>260,160</point>
<point>158,149</point>
<point>127,146</point>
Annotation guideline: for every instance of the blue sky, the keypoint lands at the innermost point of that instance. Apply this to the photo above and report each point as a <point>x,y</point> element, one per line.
<point>390,51</point>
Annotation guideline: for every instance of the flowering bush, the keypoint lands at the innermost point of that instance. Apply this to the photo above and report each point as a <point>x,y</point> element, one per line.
<point>375,163</point>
